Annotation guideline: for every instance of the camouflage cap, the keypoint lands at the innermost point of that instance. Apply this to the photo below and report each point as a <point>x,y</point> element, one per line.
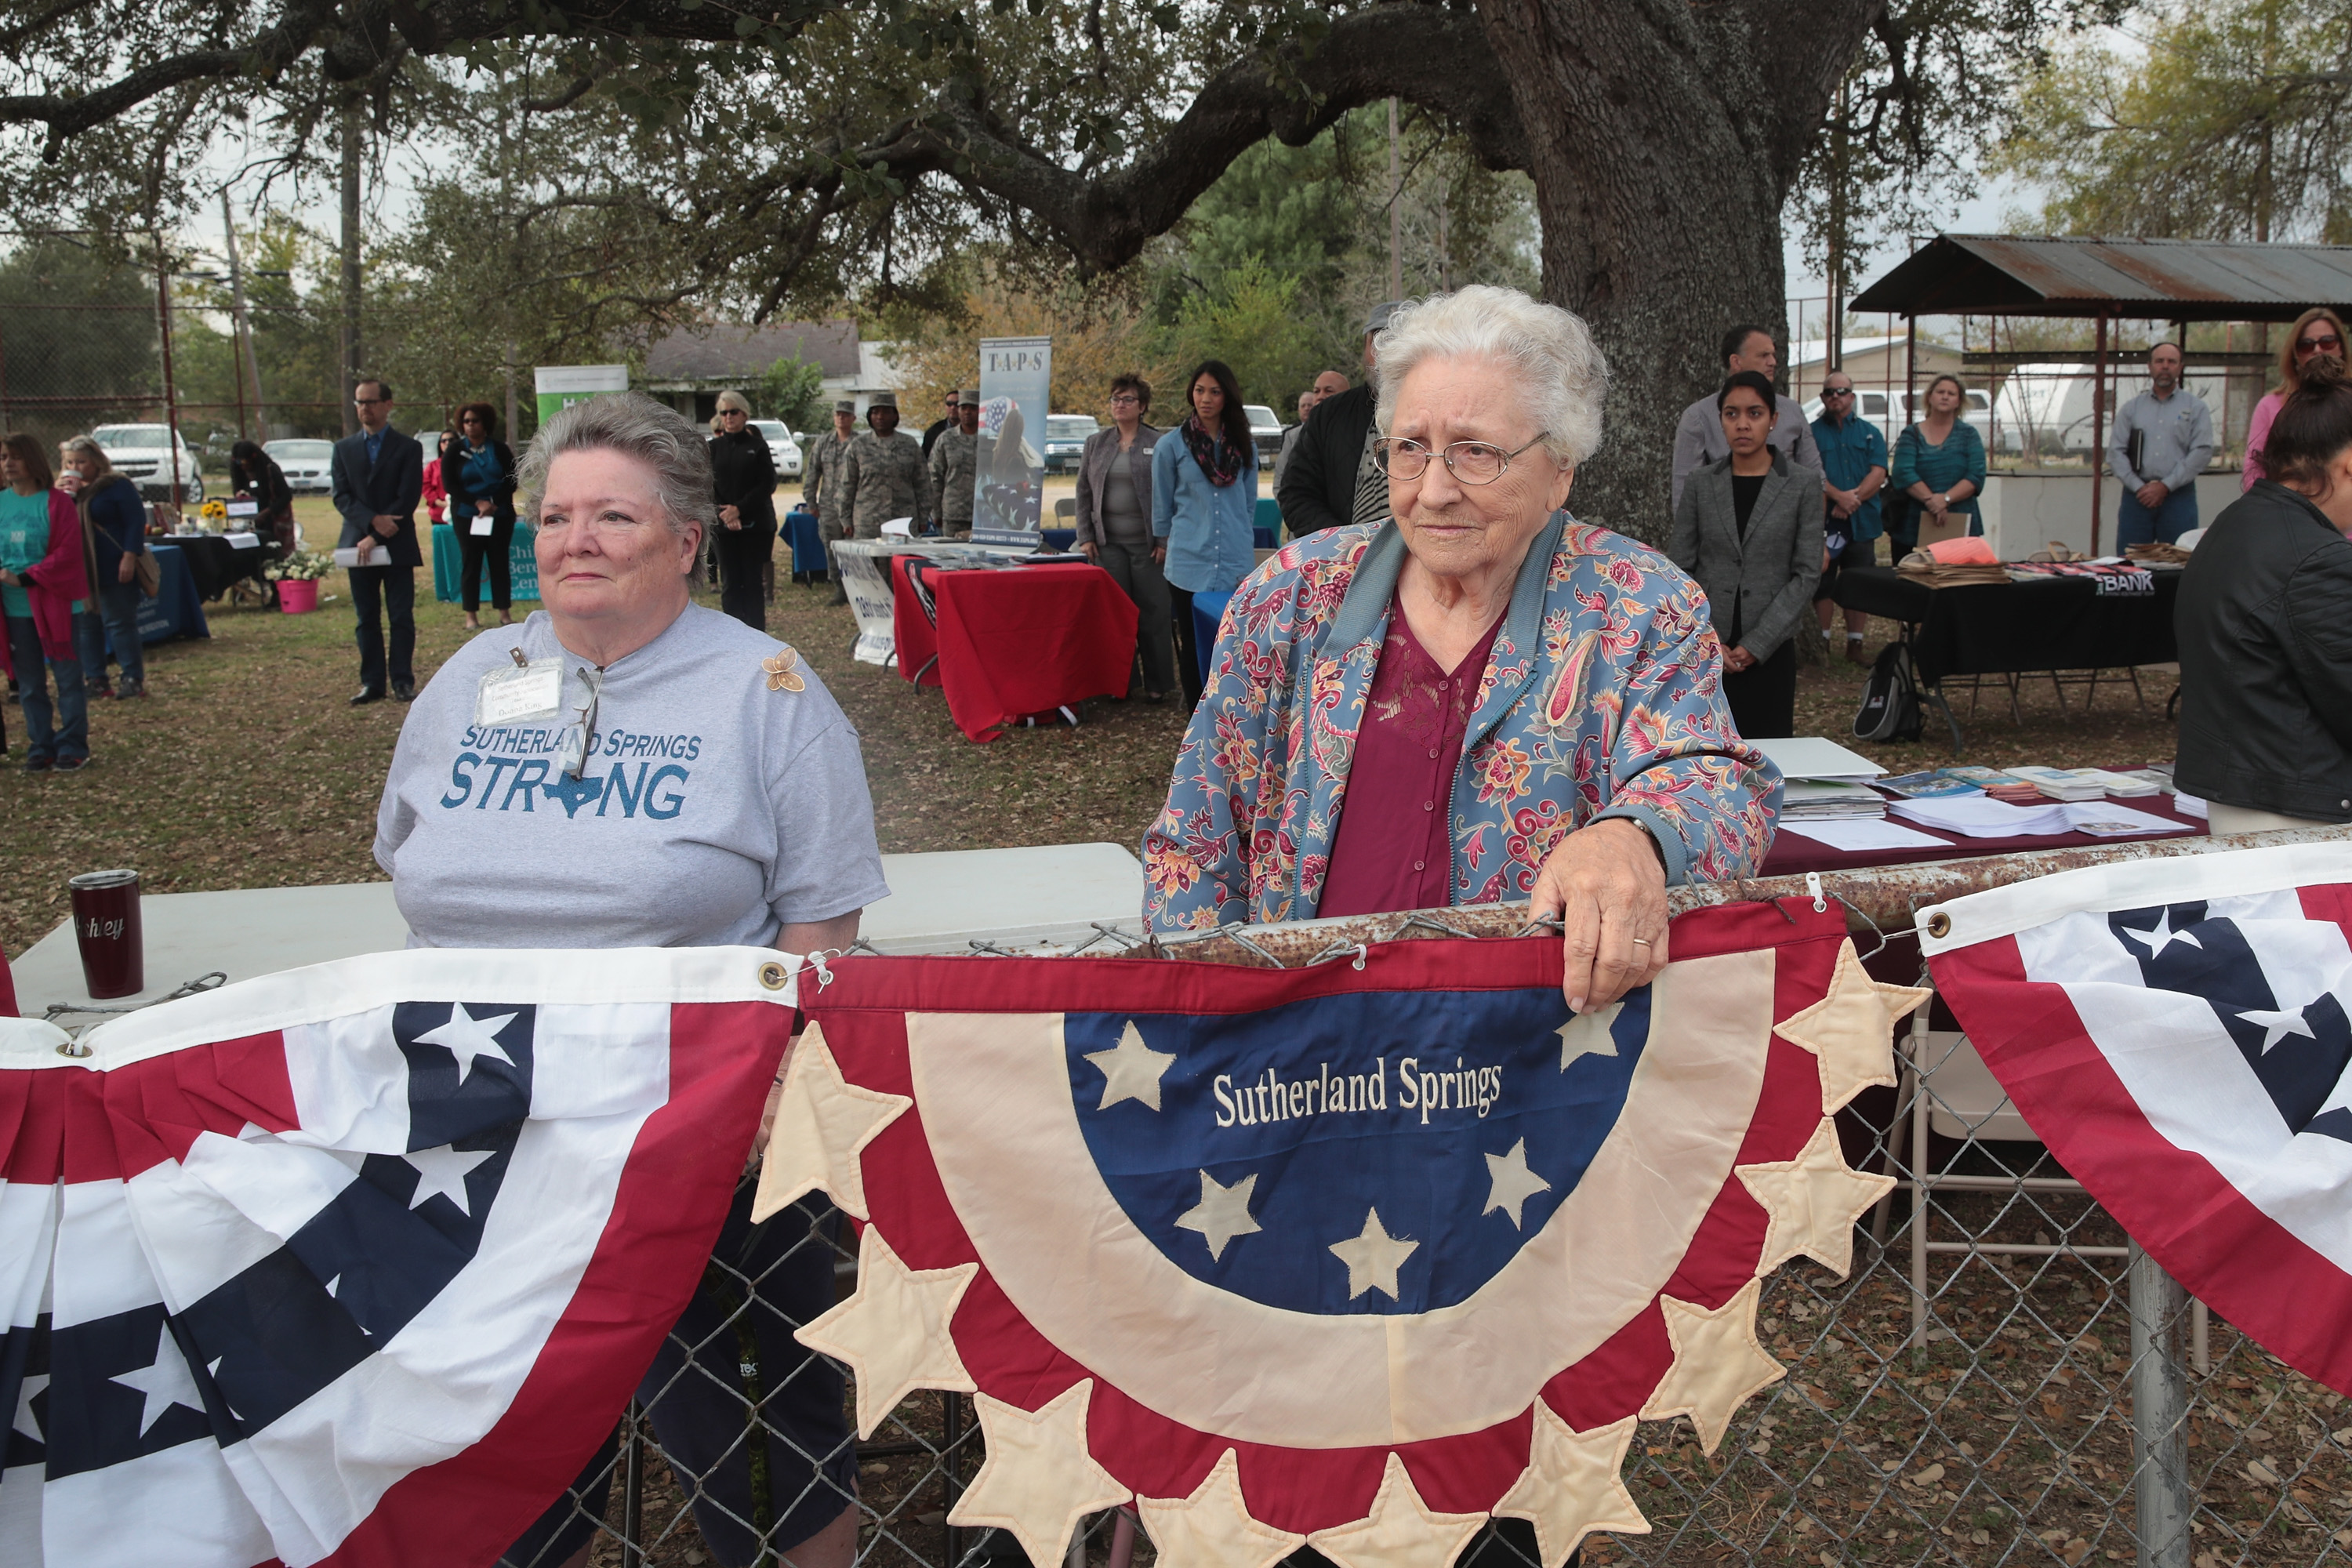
<point>882,400</point>
<point>845,406</point>
<point>968,396</point>
<point>1380,315</point>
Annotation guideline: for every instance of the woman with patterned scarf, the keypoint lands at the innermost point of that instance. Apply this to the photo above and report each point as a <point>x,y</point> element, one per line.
<point>1204,503</point>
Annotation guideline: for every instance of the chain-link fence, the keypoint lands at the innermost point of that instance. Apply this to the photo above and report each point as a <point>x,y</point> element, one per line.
<point>2002,1379</point>
<point>166,382</point>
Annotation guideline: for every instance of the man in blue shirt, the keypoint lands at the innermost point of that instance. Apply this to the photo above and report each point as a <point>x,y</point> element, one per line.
<point>1854,470</point>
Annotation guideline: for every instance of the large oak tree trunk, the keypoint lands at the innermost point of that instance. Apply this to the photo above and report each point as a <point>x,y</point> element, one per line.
<point>1663,138</point>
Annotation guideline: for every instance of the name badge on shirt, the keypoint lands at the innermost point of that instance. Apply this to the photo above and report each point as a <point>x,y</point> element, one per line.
<point>520,695</point>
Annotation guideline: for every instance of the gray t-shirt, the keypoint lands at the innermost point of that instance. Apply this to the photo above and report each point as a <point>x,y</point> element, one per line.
<point>717,804</point>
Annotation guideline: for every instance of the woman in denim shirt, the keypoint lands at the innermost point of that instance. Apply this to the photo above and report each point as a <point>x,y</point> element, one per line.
<point>1203,504</point>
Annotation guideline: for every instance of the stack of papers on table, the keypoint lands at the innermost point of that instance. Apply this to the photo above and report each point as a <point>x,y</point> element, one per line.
<point>1819,758</point>
<point>1982,817</point>
<point>1803,800</point>
<point>2066,784</point>
<point>1857,834</point>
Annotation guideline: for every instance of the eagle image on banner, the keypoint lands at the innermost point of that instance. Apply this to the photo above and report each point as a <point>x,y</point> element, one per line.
<point>1357,1256</point>
<point>2176,1031</point>
<point>357,1264</point>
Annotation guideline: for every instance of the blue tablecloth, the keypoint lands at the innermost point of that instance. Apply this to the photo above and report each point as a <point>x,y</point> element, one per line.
<point>1208,612</point>
<point>174,611</point>
<point>1265,526</point>
<point>449,565</point>
<point>807,541</point>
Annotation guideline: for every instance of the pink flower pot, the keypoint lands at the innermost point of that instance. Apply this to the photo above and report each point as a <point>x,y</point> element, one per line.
<point>297,598</point>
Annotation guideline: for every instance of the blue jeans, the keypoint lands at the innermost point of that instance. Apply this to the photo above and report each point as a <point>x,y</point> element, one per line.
<point>66,732</point>
<point>115,617</point>
<point>2134,524</point>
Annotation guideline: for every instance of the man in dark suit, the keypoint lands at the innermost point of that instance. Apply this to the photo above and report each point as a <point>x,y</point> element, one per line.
<point>377,478</point>
<point>1329,481</point>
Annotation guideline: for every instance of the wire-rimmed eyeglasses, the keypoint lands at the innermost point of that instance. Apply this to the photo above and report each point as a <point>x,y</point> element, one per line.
<point>1471,462</point>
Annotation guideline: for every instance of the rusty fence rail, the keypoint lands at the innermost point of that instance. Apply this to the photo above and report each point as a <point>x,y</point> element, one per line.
<point>2002,1379</point>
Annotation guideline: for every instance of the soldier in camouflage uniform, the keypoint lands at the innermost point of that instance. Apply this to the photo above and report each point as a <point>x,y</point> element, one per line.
<point>824,487</point>
<point>954,457</point>
<point>885,474</point>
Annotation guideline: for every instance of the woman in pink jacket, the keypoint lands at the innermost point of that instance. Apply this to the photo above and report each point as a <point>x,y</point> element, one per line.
<point>2316,331</point>
<point>42,584</point>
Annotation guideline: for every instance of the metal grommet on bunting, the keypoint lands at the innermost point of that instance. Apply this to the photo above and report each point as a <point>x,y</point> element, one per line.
<point>1939,925</point>
<point>74,1049</point>
<point>774,977</point>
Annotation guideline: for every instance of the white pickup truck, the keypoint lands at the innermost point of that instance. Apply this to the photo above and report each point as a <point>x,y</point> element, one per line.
<point>142,454</point>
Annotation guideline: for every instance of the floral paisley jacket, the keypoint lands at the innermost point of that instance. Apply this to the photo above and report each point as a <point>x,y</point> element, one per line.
<point>1601,697</point>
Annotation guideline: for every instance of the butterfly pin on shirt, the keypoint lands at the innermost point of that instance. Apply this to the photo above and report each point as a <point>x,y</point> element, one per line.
<point>782,676</point>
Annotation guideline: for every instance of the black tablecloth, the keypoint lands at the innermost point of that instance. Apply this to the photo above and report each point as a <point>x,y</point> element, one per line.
<point>1994,629</point>
<point>214,563</point>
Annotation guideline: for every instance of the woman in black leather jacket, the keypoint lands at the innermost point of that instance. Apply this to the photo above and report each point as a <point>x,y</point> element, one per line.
<point>2264,623</point>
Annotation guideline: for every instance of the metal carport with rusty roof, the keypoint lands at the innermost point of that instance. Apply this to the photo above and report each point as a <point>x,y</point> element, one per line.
<point>2178,280</point>
<point>2152,279</point>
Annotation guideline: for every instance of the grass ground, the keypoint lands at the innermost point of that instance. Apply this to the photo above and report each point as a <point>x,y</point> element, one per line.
<point>247,769</point>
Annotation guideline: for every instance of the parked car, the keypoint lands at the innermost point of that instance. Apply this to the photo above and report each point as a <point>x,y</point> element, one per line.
<point>783,445</point>
<point>305,464</point>
<point>1065,437</point>
<point>1266,429</point>
<point>1884,408</point>
<point>142,454</point>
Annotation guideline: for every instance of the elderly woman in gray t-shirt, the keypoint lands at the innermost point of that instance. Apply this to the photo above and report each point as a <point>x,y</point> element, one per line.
<point>629,769</point>
<point>1115,525</point>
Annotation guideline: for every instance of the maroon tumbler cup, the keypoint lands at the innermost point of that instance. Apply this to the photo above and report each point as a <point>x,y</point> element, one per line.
<point>106,925</point>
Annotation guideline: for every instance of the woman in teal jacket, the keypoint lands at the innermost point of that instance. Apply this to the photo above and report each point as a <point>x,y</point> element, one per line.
<point>1203,504</point>
<point>1939,463</point>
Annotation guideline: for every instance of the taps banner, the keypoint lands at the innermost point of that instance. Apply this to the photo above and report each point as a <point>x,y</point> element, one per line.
<point>1017,380</point>
<point>1356,1255</point>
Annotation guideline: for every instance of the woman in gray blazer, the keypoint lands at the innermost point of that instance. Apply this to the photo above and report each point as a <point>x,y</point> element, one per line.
<point>1114,525</point>
<point>1749,527</point>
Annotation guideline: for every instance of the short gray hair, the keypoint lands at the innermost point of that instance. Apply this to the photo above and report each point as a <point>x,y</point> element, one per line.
<point>634,425</point>
<point>1563,377</point>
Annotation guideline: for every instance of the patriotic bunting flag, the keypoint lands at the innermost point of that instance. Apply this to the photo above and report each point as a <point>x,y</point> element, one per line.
<point>1359,1255</point>
<point>358,1263</point>
<point>2176,1032</point>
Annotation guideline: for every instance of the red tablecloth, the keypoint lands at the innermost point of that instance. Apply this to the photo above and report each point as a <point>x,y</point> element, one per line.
<point>1016,641</point>
<point>1793,857</point>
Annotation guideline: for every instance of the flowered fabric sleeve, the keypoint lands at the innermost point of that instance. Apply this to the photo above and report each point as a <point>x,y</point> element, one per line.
<point>1196,871</point>
<point>1678,767</point>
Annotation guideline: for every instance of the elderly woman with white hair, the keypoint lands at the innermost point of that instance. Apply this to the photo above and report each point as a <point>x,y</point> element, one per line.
<point>629,769</point>
<point>1476,700</point>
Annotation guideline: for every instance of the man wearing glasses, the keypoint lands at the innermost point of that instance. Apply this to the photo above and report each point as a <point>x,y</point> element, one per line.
<point>376,477</point>
<point>1854,470</point>
<point>2161,442</point>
